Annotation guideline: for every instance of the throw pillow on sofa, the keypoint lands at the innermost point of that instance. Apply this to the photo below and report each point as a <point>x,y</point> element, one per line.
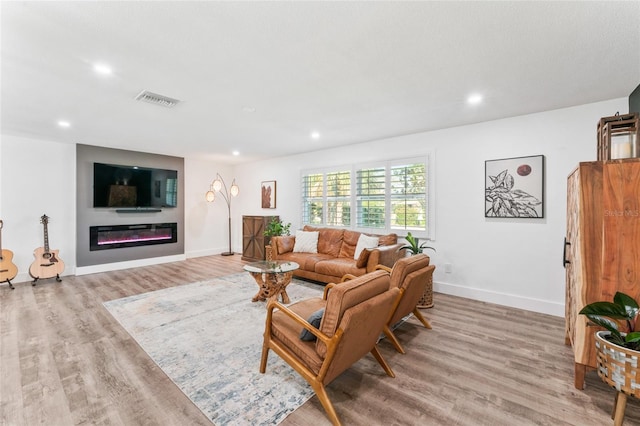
<point>365,242</point>
<point>306,242</point>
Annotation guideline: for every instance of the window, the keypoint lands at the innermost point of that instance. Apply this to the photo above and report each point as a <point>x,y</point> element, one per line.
<point>408,197</point>
<point>312,199</point>
<point>388,196</point>
<point>339,198</point>
<point>370,196</point>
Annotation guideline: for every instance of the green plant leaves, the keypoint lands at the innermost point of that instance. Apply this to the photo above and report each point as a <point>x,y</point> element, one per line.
<point>604,314</point>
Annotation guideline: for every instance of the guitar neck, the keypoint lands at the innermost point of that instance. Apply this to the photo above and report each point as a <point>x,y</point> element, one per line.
<point>46,238</point>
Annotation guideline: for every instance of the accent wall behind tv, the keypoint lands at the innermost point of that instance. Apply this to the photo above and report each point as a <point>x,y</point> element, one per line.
<point>88,216</point>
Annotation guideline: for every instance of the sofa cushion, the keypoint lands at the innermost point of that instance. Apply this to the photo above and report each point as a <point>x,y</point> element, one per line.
<point>330,241</point>
<point>349,242</point>
<point>365,242</point>
<point>338,266</point>
<point>307,261</point>
<point>363,258</point>
<point>306,242</point>
<point>387,240</point>
<point>284,244</point>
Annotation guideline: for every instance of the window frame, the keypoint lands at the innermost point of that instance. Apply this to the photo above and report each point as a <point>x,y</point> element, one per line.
<point>428,159</point>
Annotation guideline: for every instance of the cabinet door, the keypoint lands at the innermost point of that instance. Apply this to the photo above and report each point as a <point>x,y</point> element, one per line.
<point>621,229</point>
<point>252,238</point>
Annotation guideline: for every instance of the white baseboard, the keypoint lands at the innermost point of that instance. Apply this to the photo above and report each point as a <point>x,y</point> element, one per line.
<point>514,301</point>
<point>105,267</point>
<point>210,252</point>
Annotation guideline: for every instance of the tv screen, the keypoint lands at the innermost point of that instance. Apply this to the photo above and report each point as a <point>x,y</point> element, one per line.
<point>132,186</point>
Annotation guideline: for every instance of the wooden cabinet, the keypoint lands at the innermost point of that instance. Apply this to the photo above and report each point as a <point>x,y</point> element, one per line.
<point>253,239</point>
<point>602,246</point>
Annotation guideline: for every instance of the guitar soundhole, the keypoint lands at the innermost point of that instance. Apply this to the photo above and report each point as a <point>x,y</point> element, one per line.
<point>46,255</point>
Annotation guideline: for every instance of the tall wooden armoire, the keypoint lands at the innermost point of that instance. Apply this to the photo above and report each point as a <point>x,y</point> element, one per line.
<point>602,247</point>
<point>253,239</point>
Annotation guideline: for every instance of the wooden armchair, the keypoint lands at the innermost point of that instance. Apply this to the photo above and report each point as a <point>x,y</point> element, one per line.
<point>410,275</point>
<point>355,314</point>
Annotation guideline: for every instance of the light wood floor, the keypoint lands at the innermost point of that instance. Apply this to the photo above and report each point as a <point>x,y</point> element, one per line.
<point>65,361</point>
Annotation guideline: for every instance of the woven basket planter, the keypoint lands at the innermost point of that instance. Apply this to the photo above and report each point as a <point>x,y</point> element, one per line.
<point>618,367</point>
<point>426,301</point>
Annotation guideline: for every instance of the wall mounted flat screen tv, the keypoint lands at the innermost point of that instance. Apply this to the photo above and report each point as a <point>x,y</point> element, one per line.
<point>135,187</point>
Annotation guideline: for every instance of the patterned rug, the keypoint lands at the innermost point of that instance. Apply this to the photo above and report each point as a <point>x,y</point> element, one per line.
<point>207,337</point>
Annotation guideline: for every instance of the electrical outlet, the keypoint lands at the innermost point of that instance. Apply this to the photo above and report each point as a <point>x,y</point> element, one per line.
<point>448,268</point>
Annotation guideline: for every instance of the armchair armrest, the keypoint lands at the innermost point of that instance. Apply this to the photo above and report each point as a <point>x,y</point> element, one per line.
<point>347,277</point>
<point>297,318</point>
<point>384,255</point>
<point>383,268</point>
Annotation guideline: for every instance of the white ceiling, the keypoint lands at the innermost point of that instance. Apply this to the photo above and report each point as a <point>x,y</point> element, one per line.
<point>353,71</point>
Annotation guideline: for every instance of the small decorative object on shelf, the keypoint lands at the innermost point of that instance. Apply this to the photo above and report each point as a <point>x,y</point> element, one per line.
<point>618,137</point>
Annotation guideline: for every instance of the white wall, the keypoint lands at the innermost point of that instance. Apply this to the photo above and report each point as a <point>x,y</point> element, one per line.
<point>206,224</point>
<point>37,177</point>
<point>515,262</point>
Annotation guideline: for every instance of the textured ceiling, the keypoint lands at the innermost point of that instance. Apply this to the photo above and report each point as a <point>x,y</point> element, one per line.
<point>353,71</point>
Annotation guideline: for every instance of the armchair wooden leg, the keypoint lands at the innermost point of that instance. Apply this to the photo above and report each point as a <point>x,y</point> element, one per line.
<point>392,337</point>
<point>321,392</point>
<point>418,315</point>
<point>376,353</point>
<point>263,358</point>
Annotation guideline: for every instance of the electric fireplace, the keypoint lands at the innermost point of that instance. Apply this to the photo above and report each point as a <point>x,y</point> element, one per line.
<point>119,236</point>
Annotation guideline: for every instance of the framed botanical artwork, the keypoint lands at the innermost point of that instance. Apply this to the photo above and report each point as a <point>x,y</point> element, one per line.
<point>269,194</point>
<point>514,187</point>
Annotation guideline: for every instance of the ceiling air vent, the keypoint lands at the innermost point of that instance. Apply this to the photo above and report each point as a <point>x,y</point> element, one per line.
<point>154,98</point>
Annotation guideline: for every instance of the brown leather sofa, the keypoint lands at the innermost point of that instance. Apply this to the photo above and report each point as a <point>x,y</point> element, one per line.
<point>336,248</point>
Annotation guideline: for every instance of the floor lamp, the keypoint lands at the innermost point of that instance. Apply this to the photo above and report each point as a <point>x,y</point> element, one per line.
<point>217,186</point>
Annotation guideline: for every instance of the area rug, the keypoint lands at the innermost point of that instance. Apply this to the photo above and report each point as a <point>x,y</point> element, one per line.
<point>207,337</point>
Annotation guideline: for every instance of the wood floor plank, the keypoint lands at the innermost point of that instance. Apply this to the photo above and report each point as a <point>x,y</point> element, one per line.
<point>66,361</point>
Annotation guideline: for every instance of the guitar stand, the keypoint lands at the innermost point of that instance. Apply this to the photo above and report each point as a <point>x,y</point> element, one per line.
<point>10,285</point>
<point>33,283</point>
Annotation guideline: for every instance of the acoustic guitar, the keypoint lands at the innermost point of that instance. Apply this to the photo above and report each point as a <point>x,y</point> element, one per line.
<point>47,264</point>
<point>8,270</point>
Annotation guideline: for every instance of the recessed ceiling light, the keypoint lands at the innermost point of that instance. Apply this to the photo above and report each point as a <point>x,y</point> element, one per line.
<point>236,153</point>
<point>248,109</point>
<point>315,135</point>
<point>474,99</point>
<point>63,123</point>
<point>102,69</point>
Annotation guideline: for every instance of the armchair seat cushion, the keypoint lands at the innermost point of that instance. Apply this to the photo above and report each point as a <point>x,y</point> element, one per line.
<point>288,331</point>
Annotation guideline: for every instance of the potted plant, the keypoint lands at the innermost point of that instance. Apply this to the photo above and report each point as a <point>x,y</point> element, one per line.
<point>617,347</point>
<point>274,228</point>
<point>414,247</point>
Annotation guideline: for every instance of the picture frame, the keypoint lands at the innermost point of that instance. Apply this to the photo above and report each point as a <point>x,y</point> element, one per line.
<point>514,188</point>
<point>268,194</point>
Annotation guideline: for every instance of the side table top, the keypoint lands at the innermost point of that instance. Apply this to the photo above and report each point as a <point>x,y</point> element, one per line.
<point>271,266</point>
